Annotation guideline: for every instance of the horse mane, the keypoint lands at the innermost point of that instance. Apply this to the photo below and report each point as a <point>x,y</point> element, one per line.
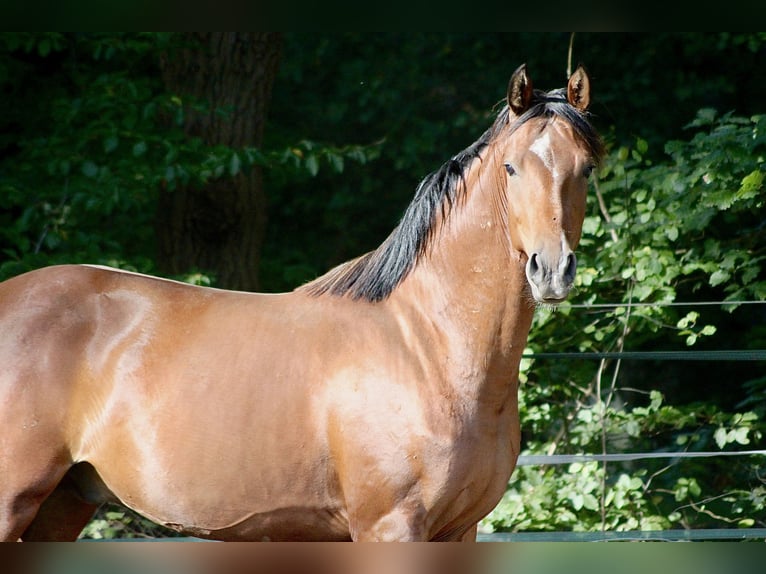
<point>373,276</point>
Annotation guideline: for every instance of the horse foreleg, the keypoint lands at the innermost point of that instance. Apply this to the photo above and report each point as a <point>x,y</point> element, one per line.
<point>398,525</point>
<point>16,513</point>
<point>38,499</point>
<point>22,491</point>
<point>61,517</point>
<point>470,534</point>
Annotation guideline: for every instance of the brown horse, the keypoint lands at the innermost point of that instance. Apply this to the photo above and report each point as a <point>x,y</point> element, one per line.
<point>378,402</point>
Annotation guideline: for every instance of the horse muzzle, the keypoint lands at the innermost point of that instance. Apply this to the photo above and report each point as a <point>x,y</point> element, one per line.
<point>551,279</point>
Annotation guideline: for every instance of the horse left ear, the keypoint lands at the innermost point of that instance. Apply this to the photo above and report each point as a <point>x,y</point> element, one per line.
<point>519,91</point>
<point>578,89</point>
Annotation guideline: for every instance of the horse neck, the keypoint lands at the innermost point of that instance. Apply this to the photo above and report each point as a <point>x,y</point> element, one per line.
<point>470,288</point>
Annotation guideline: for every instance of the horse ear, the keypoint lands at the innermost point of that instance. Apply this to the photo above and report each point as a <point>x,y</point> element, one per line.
<point>578,89</point>
<point>519,91</point>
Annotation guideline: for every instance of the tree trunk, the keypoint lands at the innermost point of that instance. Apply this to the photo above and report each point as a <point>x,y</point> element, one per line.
<point>219,228</point>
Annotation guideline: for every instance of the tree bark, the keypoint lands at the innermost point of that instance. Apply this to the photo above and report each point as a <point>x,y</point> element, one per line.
<point>219,228</point>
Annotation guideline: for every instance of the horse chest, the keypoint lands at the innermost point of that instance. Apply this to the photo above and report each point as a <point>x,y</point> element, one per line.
<point>483,466</point>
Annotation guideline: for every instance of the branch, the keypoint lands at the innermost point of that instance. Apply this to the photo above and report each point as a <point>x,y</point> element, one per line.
<point>604,211</point>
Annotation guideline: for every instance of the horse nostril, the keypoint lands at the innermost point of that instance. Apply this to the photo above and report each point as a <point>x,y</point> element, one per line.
<point>571,267</point>
<point>533,266</point>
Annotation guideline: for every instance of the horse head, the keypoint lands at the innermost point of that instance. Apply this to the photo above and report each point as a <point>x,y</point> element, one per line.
<point>547,163</point>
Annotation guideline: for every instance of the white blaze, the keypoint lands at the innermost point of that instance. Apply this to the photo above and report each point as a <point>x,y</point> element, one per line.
<point>541,147</point>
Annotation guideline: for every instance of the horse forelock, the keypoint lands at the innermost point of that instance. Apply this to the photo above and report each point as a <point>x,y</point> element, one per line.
<point>373,276</point>
<point>554,104</point>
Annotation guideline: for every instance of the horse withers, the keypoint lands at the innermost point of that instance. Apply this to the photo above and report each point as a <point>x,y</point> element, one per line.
<point>377,402</point>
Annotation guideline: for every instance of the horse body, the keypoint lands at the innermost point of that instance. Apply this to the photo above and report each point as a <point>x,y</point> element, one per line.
<point>215,443</point>
<point>342,410</point>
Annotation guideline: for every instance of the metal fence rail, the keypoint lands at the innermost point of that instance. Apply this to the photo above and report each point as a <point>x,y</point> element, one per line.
<point>541,459</point>
<point>725,355</point>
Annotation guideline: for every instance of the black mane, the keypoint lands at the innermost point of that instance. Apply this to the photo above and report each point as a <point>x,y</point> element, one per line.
<point>373,276</point>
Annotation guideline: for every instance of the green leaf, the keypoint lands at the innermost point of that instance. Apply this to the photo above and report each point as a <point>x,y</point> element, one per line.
<point>718,277</point>
<point>705,117</point>
<point>336,160</point>
<point>139,149</point>
<point>111,143</point>
<point>671,232</point>
<point>590,502</point>
<point>312,164</point>
<point>720,437</point>
<point>740,435</point>
<point>751,184</point>
<point>656,399</point>
<point>234,164</point>
<point>694,487</point>
<point>89,169</point>
<point>44,47</point>
<point>688,320</point>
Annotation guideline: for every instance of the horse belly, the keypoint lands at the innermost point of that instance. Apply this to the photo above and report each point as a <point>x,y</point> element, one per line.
<point>233,463</point>
<point>222,506</point>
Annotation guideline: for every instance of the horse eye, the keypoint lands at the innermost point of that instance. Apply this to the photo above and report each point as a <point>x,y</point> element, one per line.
<point>587,171</point>
<point>509,169</point>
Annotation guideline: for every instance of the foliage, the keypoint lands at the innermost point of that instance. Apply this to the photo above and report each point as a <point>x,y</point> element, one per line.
<point>77,164</point>
<point>114,521</point>
<point>86,172</point>
<point>639,495</point>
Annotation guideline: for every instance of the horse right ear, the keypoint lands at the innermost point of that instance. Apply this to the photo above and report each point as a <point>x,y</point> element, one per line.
<point>578,89</point>
<point>519,91</point>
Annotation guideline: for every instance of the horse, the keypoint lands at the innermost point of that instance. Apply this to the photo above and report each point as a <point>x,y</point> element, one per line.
<point>377,402</point>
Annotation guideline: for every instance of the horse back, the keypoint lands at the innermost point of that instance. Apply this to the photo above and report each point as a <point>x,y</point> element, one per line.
<point>70,333</point>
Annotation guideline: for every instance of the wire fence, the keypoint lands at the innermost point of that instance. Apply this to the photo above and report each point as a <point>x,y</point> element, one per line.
<point>562,459</point>
<point>686,355</point>
<point>725,355</point>
<point>674,535</point>
<point>639,304</point>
